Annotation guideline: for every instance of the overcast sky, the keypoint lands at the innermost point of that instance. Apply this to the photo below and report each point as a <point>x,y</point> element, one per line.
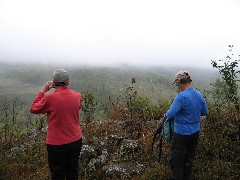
<point>111,32</point>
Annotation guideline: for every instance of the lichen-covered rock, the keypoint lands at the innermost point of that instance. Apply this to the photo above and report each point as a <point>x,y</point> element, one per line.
<point>114,139</point>
<point>124,170</point>
<point>102,153</point>
<point>87,153</point>
<point>102,147</point>
<point>130,147</point>
<point>97,163</point>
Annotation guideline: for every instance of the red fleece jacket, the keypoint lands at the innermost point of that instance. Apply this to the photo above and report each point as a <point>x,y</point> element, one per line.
<point>62,108</point>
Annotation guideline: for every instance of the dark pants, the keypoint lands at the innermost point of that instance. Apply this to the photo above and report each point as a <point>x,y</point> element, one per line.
<point>63,160</point>
<point>182,154</point>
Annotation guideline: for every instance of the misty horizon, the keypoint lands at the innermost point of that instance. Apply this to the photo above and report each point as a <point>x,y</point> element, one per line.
<point>108,33</point>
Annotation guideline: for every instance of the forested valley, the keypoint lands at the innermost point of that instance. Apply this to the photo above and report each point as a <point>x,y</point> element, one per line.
<point>120,104</point>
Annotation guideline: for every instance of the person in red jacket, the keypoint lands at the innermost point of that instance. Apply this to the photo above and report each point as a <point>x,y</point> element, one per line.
<point>64,135</point>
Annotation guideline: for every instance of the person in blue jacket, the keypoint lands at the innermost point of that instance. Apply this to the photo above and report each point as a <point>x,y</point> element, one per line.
<point>187,108</point>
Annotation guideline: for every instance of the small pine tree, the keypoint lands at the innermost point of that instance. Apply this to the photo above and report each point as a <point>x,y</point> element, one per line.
<point>227,68</point>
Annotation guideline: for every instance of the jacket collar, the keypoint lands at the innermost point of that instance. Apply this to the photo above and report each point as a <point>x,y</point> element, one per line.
<point>61,88</point>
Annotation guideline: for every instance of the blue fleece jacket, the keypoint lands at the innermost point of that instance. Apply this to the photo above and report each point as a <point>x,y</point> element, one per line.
<point>186,110</point>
